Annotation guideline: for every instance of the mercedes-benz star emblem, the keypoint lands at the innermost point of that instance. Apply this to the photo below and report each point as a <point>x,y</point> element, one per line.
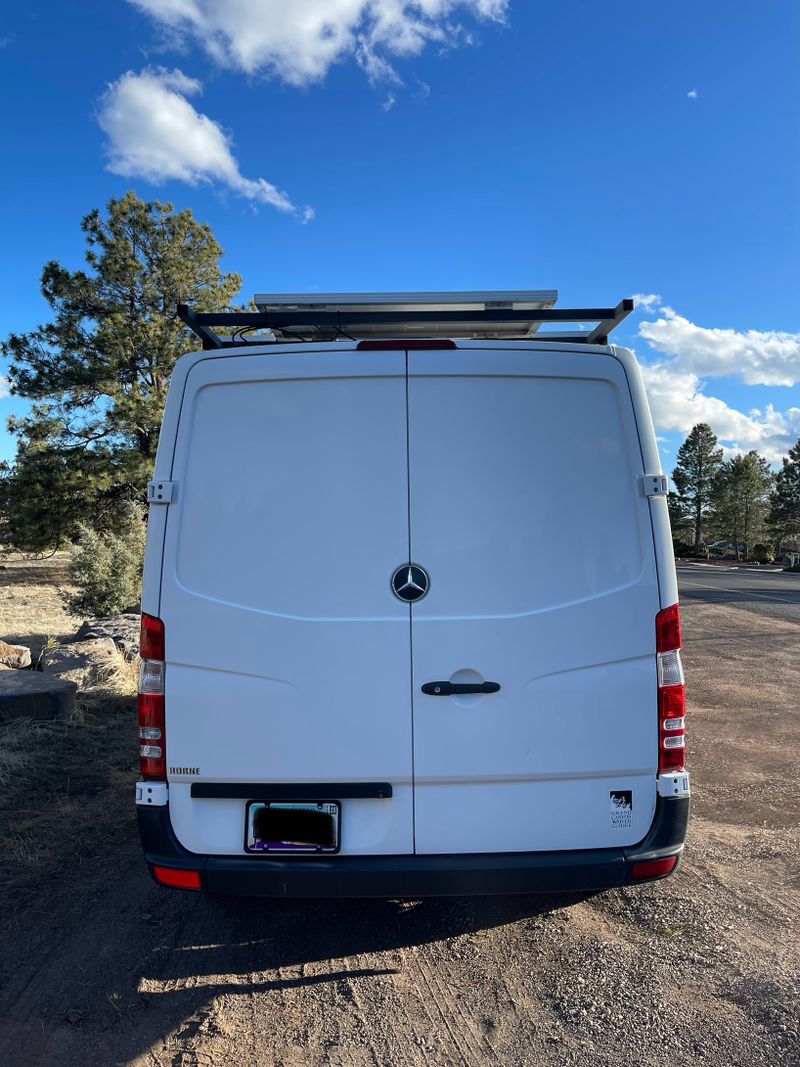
<point>410,582</point>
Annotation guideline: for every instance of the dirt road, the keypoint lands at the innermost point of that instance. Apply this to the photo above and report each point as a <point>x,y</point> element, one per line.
<point>101,967</point>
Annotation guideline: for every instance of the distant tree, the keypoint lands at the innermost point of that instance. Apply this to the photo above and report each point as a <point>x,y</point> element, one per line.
<point>741,496</point>
<point>41,499</point>
<point>699,459</point>
<point>784,515</point>
<point>681,525</point>
<point>98,371</point>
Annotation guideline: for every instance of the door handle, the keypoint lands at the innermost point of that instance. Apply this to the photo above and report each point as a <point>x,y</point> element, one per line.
<point>451,689</point>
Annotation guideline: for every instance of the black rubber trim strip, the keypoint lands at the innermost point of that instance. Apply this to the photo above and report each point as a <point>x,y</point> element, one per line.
<point>414,876</point>
<point>291,791</point>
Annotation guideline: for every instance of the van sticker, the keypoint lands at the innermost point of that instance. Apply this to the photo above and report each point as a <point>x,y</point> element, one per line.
<point>621,809</point>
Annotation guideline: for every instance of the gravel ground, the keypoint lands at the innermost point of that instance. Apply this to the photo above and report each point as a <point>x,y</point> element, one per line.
<point>102,967</point>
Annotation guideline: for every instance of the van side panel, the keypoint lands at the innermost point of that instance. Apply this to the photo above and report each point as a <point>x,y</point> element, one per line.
<point>528,512</point>
<point>288,660</point>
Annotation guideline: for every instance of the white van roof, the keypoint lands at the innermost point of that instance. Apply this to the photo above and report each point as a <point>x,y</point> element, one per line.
<point>489,315</point>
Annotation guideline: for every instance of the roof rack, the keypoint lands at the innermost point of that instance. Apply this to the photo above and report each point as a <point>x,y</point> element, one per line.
<point>355,316</point>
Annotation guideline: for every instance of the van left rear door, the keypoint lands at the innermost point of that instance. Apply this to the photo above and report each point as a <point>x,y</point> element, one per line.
<point>288,657</point>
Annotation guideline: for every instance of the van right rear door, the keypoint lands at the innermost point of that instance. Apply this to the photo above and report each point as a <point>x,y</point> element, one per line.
<point>528,514</point>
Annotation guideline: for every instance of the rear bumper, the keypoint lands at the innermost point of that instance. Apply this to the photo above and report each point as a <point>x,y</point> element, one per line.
<point>417,876</point>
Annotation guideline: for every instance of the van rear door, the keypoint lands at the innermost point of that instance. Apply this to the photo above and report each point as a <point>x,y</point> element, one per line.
<point>527,512</point>
<point>287,657</point>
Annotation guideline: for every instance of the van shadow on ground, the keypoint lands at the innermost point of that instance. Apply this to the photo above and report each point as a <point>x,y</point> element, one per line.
<point>144,961</point>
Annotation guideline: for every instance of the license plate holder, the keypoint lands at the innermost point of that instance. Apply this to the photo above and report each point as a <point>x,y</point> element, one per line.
<point>294,827</point>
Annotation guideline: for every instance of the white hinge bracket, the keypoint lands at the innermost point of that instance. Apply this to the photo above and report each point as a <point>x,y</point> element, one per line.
<point>674,785</point>
<point>655,485</point>
<point>159,492</point>
<point>155,793</point>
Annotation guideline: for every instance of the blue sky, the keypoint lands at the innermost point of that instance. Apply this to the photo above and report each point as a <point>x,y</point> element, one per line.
<point>601,149</point>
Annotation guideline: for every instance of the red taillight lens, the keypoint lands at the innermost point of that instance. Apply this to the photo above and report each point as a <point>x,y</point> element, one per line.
<point>152,740</point>
<point>152,745</point>
<point>668,629</point>
<point>177,879</point>
<point>672,703</point>
<point>653,868</point>
<point>151,643</point>
<point>671,692</point>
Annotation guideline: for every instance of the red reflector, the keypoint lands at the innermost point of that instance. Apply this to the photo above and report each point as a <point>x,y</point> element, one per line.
<point>394,346</point>
<point>653,868</point>
<point>177,879</point>
<point>151,643</point>
<point>668,629</point>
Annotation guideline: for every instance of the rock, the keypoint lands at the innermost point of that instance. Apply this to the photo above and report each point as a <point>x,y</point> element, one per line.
<point>14,655</point>
<point>5,667</point>
<point>122,629</point>
<point>31,695</point>
<point>85,662</point>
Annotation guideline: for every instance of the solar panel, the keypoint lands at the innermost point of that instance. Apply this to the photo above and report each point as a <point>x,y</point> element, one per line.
<point>415,314</point>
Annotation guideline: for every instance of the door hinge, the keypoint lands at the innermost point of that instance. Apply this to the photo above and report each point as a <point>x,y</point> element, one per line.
<point>655,485</point>
<point>159,492</point>
<point>155,793</point>
<point>674,785</point>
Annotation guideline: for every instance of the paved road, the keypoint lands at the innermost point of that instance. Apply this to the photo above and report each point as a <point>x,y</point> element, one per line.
<point>764,592</point>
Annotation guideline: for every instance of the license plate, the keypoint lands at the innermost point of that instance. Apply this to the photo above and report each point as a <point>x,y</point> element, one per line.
<point>275,826</point>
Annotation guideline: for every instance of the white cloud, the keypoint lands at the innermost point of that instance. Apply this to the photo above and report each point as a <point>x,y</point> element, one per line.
<point>647,301</point>
<point>677,402</point>
<point>299,40</point>
<point>757,357</point>
<point>5,387</point>
<point>156,134</point>
<point>677,391</point>
<point>389,102</point>
<point>692,94</point>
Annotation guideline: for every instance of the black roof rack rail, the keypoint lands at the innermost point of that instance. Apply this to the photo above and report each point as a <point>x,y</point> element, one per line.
<point>356,316</point>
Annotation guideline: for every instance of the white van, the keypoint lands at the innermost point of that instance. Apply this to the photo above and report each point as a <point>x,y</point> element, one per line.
<point>410,620</point>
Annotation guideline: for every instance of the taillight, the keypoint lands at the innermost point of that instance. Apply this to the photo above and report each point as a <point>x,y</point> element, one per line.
<point>671,691</point>
<point>152,742</point>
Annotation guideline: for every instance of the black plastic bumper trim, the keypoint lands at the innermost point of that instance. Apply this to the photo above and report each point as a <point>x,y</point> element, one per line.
<point>417,876</point>
<point>291,791</point>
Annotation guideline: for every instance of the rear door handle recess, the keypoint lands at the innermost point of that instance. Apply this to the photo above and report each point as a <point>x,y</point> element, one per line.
<point>451,689</point>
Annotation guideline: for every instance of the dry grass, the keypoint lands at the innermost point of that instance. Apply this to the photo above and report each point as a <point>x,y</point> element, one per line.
<point>66,792</point>
<point>32,611</point>
<point>65,787</point>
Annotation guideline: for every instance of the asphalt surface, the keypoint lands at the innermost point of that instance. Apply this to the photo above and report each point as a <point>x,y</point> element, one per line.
<point>764,591</point>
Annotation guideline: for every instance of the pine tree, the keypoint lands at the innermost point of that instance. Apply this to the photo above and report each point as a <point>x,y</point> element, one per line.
<point>784,516</point>
<point>741,499</point>
<point>98,371</point>
<point>699,460</point>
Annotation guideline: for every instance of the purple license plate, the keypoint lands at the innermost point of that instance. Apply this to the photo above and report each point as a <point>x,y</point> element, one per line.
<point>278,826</point>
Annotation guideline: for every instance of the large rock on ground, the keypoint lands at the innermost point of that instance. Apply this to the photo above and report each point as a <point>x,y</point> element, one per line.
<point>14,655</point>
<point>122,629</point>
<point>31,695</point>
<point>85,662</point>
